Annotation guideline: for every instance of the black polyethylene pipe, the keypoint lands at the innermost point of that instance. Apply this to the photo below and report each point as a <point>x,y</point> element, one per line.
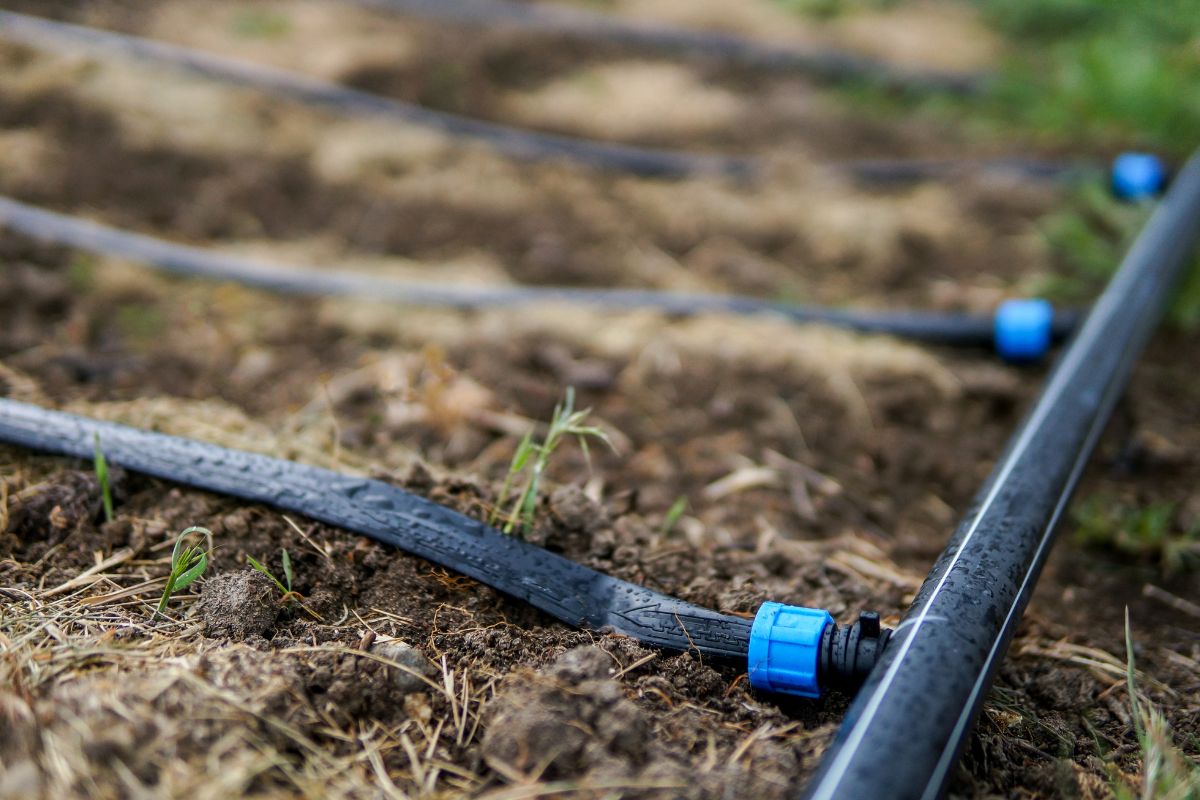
<point>904,732</point>
<point>512,142</point>
<point>518,143</point>
<point>823,62</point>
<point>568,591</point>
<point>963,330</point>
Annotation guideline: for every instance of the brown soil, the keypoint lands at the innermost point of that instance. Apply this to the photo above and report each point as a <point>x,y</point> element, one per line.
<point>819,468</point>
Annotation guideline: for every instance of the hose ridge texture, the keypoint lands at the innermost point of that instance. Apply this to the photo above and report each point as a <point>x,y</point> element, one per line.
<point>943,328</point>
<point>570,592</point>
<point>823,62</point>
<point>513,142</point>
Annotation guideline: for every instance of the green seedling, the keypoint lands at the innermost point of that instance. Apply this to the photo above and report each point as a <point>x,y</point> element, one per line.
<point>1166,772</point>
<point>285,589</point>
<point>530,461</point>
<point>1149,532</point>
<point>187,564</point>
<point>101,467</point>
<point>674,513</point>
<point>286,593</point>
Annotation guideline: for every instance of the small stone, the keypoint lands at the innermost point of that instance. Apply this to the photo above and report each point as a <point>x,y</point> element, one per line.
<point>407,656</point>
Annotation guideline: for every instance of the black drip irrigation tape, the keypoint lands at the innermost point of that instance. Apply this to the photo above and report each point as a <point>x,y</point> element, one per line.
<point>922,698</point>
<point>565,590</point>
<point>517,143</point>
<point>894,171</point>
<point>964,330</point>
<point>825,63</point>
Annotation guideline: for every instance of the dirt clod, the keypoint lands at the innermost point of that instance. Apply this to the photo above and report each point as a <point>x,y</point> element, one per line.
<point>569,719</point>
<point>238,605</point>
<point>71,499</point>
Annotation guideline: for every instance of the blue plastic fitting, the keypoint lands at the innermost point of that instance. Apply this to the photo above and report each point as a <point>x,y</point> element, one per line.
<point>1022,329</point>
<point>785,648</point>
<point>1136,176</point>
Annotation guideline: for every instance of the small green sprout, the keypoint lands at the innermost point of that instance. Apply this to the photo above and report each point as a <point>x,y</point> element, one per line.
<point>187,564</point>
<point>565,422</point>
<point>674,513</point>
<point>287,594</point>
<point>287,568</point>
<point>101,467</point>
<point>284,590</point>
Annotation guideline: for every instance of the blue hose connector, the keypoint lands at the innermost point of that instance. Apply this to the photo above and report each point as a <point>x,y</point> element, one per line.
<point>1023,329</point>
<point>1136,176</point>
<point>785,648</point>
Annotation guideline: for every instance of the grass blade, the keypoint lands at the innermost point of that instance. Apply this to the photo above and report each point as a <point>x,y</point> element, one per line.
<point>197,569</point>
<point>100,464</point>
<point>256,564</point>
<point>287,569</point>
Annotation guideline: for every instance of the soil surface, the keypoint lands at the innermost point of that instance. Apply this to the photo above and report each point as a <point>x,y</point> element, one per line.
<point>818,468</point>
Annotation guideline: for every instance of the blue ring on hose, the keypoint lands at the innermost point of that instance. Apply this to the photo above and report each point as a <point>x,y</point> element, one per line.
<point>785,649</point>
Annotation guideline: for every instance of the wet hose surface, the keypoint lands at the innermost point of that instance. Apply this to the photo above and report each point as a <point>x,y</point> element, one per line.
<point>967,330</point>
<point>921,700</point>
<point>570,592</point>
<point>513,142</point>
<point>823,62</point>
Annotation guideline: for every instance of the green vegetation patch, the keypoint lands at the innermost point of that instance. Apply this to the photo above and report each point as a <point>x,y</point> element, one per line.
<point>1152,532</point>
<point>1093,74</point>
<point>833,8</point>
<point>1089,235</point>
<point>1121,73</point>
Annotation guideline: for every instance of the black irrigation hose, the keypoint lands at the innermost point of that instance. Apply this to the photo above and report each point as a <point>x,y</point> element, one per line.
<point>48,226</point>
<point>823,62</point>
<point>517,143</point>
<point>899,171</point>
<point>921,699</point>
<point>565,590</point>
<point>513,142</point>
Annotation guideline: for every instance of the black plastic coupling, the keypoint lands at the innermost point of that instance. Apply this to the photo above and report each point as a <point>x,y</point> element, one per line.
<point>849,654</point>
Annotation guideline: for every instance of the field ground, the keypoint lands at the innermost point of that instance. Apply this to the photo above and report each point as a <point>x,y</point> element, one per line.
<point>819,468</point>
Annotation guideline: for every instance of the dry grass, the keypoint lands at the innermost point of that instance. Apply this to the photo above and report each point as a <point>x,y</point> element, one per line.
<point>847,239</point>
<point>1167,774</point>
<point>101,701</point>
<point>901,33</point>
<point>306,438</point>
<point>649,342</point>
<point>625,101</point>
